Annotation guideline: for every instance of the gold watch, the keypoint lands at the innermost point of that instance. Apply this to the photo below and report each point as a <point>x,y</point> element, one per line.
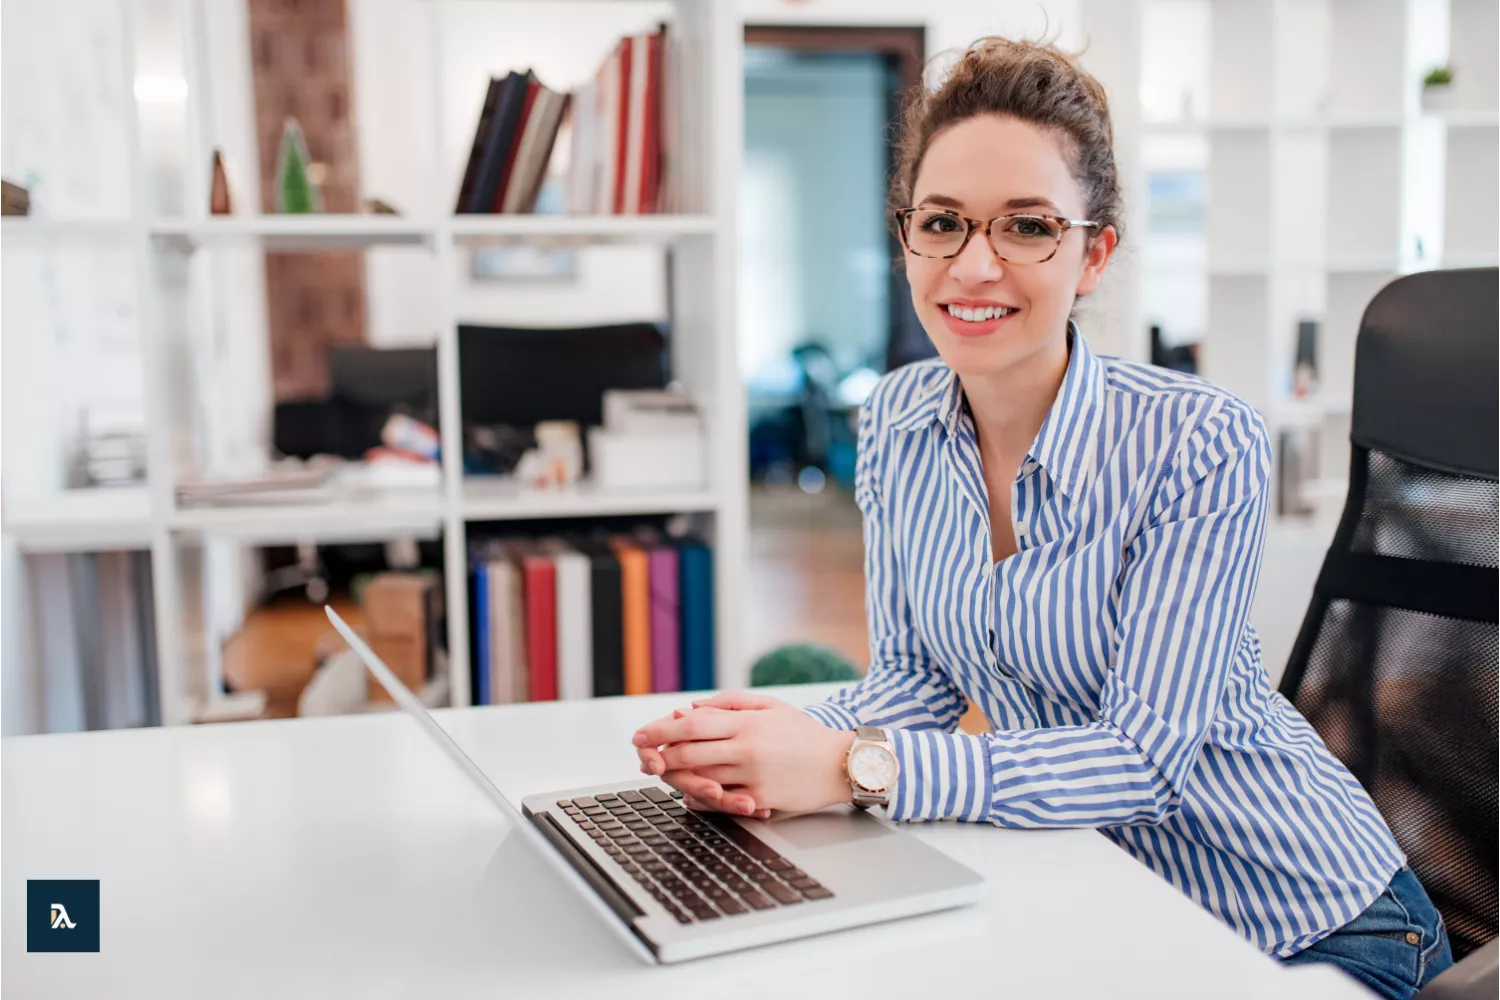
<point>871,767</point>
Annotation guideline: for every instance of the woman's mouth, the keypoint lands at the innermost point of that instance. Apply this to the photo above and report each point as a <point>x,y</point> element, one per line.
<point>975,321</point>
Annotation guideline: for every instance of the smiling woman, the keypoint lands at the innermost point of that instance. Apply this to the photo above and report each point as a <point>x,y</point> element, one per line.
<point>1072,543</point>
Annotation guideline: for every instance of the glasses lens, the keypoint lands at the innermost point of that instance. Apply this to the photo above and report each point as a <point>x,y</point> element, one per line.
<point>931,233</point>
<point>1025,239</point>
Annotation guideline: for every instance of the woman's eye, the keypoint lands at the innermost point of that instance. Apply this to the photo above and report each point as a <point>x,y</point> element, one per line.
<point>1031,228</point>
<point>941,224</point>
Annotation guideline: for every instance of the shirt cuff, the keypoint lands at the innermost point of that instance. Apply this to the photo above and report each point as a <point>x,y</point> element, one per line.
<point>942,776</point>
<point>833,716</point>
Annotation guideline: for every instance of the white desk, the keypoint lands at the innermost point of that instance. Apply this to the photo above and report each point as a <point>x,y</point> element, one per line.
<point>348,857</point>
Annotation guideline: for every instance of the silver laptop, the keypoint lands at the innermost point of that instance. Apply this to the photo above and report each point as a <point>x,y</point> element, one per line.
<point>675,884</point>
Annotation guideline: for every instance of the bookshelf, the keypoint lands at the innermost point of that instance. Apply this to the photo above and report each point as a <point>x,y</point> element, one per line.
<point>1327,177</point>
<point>181,262</point>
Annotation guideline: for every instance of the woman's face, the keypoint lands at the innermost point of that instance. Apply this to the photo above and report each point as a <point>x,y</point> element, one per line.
<point>983,168</point>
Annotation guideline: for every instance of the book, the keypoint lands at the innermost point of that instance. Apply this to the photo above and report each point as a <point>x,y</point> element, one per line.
<point>513,147</point>
<point>635,116</point>
<point>497,143</point>
<point>666,665</point>
<point>575,645</point>
<point>635,610</point>
<point>652,130</point>
<point>608,118</point>
<point>540,580</point>
<point>618,148</point>
<point>696,612</point>
<point>476,149</point>
<point>537,169</point>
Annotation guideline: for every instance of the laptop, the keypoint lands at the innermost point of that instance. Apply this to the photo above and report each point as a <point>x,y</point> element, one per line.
<point>674,884</point>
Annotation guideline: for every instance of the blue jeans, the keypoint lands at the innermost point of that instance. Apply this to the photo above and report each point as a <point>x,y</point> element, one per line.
<point>1397,946</point>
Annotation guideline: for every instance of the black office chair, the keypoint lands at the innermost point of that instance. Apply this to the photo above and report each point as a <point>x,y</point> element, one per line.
<point>1396,663</point>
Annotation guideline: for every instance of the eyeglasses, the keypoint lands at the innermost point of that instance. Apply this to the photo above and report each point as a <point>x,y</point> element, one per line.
<point>1017,239</point>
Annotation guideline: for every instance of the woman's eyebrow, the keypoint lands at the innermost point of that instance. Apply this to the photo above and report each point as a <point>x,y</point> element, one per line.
<point>1014,204</point>
<point>1032,202</point>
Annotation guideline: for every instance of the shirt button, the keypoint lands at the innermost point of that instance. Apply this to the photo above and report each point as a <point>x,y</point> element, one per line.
<point>1412,937</point>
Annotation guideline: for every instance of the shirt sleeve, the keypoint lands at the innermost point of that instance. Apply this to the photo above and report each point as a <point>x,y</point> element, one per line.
<point>904,686</point>
<point>1184,598</point>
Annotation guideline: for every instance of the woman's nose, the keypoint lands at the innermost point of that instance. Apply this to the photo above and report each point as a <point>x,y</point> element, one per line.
<point>977,262</point>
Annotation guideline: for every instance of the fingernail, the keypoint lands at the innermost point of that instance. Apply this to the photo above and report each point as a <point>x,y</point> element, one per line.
<point>653,766</point>
<point>645,768</point>
<point>639,739</point>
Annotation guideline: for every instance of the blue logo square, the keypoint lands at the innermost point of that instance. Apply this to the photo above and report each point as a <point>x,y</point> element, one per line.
<point>62,914</point>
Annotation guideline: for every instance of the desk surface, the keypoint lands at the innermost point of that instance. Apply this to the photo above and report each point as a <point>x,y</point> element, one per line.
<point>348,857</point>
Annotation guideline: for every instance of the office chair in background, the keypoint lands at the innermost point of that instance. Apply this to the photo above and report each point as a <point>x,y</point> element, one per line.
<point>1396,662</point>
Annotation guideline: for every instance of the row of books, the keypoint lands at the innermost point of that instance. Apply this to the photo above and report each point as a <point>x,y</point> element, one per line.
<point>614,137</point>
<point>584,617</point>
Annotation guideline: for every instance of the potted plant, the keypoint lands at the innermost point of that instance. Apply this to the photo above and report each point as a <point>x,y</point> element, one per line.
<point>1437,89</point>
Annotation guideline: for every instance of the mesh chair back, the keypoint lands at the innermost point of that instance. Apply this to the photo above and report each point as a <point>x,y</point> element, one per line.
<point>1396,662</point>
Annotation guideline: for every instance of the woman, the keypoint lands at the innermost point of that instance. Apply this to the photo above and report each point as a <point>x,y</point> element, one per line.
<point>1071,542</point>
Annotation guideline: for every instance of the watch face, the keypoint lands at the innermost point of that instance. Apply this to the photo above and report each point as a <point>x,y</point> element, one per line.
<point>873,768</point>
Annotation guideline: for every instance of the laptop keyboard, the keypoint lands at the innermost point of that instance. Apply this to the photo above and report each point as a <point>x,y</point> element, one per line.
<point>700,866</point>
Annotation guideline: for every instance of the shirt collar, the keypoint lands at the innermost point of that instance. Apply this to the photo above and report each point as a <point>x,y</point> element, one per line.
<point>1065,444</point>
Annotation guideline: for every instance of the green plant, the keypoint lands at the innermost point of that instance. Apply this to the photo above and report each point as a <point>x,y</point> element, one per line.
<point>1440,76</point>
<point>295,193</point>
<point>801,664</point>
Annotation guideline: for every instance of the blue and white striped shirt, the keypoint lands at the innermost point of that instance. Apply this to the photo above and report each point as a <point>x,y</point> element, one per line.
<point>1112,654</point>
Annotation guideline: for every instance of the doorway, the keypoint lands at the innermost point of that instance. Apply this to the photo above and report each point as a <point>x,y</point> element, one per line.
<point>823,311</point>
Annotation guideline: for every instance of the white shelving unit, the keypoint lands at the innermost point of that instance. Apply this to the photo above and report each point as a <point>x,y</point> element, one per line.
<point>1326,178</point>
<point>701,251</point>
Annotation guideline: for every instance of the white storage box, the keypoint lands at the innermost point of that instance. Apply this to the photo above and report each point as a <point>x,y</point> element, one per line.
<point>649,411</point>
<point>646,461</point>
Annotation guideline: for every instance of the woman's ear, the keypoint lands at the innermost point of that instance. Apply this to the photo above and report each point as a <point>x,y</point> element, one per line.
<point>1099,251</point>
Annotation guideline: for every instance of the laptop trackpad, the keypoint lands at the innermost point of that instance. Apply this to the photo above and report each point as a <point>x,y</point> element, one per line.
<point>827,829</point>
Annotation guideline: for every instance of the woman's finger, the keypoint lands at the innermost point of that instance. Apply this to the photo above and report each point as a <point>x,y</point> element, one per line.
<point>727,775</point>
<point>703,753</point>
<point>705,790</point>
<point>735,701</point>
<point>651,762</point>
<point>698,724</point>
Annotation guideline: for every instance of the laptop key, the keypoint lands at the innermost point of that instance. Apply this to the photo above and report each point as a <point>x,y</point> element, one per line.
<point>758,900</point>
<point>761,877</point>
<point>803,884</point>
<point>632,796</point>
<point>675,793</point>
<point>656,793</point>
<point>585,801</point>
<point>781,893</point>
<point>605,797</point>
<point>817,893</point>
<point>779,864</point>
<point>748,842</point>
<point>705,912</point>
<point>732,906</point>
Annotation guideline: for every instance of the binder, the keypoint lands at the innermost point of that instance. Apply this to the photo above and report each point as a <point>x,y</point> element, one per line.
<point>575,638</point>
<point>607,629</point>
<point>635,604</point>
<point>696,603</point>
<point>508,673</point>
<point>479,670</point>
<point>666,665</point>
<point>540,580</point>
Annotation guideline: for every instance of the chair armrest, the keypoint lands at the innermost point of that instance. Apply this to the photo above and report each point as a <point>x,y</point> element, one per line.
<point>1475,978</point>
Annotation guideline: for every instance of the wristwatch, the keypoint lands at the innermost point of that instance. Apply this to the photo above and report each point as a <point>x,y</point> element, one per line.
<point>871,767</point>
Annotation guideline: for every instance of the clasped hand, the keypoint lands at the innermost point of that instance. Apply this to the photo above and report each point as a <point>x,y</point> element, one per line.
<point>747,754</point>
